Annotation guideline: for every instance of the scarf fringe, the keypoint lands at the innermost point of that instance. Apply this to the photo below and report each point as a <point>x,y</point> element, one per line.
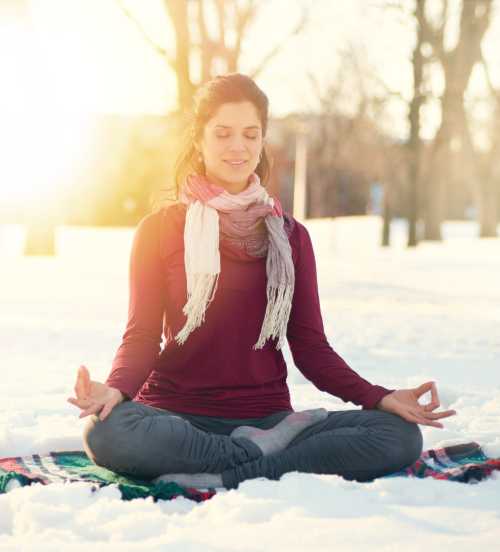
<point>202,255</point>
<point>205,286</point>
<point>279,303</point>
<point>202,264</point>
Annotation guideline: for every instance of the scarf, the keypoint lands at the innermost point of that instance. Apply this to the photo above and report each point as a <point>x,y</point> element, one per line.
<point>250,224</point>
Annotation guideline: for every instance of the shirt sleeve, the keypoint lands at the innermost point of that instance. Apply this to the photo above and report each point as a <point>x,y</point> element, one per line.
<point>311,352</point>
<point>141,342</point>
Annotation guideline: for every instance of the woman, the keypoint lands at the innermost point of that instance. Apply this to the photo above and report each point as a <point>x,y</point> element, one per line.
<point>226,276</point>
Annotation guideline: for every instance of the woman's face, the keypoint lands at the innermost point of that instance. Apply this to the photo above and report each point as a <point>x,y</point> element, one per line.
<point>231,144</point>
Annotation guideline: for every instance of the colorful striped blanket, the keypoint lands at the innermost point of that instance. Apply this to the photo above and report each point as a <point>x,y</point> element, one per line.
<point>75,465</point>
<point>465,463</point>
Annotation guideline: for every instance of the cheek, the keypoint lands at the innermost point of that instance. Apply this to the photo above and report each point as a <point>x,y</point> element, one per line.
<point>214,150</point>
<point>254,148</point>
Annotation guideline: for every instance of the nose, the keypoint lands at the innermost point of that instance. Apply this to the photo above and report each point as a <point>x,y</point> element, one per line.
<point>237,144</point>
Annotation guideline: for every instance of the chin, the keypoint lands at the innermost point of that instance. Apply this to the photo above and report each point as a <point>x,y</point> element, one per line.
<point>230,176</point>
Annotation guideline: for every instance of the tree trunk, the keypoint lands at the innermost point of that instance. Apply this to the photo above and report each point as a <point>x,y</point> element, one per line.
<point>457,67</point>
<point>387,217</point>
<point>414,120</point>
<point>435,211</point>
<point>178,11</point>
<point>488,211</point>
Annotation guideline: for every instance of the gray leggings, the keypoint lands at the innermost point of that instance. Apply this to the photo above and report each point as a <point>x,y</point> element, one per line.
<point>146,442</point>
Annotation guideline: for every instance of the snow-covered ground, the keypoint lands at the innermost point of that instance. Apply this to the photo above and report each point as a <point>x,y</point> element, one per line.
<point>399,317</point>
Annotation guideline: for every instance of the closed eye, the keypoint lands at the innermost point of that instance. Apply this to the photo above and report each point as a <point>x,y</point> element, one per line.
<point>249,137</point>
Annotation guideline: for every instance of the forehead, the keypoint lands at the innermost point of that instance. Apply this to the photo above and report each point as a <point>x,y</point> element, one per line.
<point>235,114</point>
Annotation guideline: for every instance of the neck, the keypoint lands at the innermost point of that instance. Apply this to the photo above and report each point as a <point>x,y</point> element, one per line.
<point>230,187</point>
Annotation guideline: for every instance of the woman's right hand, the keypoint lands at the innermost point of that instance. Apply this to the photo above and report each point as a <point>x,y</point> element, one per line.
<point>93,397</point>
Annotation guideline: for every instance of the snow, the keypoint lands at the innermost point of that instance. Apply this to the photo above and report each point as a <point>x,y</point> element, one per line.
<point>399,316</point>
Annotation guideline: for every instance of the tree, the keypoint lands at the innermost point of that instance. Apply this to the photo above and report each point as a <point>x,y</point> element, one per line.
<point>489,168</point>
<point>414,142</point>
<point>457,64</point>
<point>195,46</point>
<point>348,147</point>
<point>216,54</point>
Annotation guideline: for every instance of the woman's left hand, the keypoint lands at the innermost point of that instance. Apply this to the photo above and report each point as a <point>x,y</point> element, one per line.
<point>404,403</point>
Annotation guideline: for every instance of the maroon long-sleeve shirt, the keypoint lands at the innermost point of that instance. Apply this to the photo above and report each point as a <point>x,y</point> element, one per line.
<point>216,372</point>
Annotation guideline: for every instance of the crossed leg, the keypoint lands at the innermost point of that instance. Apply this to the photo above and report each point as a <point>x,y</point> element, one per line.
<point>146,442</point>
<point>355,444</point>
<point>149,442</point>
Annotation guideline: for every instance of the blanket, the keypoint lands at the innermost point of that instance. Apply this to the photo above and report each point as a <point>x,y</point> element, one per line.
<point>75,465</point>
<point>464,463</point>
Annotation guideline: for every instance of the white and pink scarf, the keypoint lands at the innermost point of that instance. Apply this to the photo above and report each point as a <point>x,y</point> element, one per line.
<point>236,220</point>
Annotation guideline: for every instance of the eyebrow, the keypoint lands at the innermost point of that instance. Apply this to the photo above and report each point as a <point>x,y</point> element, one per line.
<point>248,127</point>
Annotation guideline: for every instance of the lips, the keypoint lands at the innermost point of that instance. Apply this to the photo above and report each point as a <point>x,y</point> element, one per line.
<point>236,163</point>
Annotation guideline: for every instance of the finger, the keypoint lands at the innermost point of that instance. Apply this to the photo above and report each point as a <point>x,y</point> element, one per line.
<point>421,411</point>
<point>80,385</point>
<point>86,379</point>
<point>84,402</point>
<point>434,398</point>
<point>438,415</point>
<point>83,381</point>
<point>424,388</point>
<point>81,403</point>
<point>424,421</point>
<point>108,407</point>
<point>92,410</point>
<point>435,402</point>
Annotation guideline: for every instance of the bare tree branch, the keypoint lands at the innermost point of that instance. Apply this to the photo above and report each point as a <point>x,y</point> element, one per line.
<point>206,45</point>
<point>242,17</point>
<point>178,12</point>
<point>156,47</point>
<point>302,23</point>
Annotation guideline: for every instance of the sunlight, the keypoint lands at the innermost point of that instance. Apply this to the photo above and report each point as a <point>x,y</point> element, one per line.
<point>44,130</point>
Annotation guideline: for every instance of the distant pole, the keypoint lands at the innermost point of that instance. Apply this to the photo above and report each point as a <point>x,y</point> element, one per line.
<point>300,176</point>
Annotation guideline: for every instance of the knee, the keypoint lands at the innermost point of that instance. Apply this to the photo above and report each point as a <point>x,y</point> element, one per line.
<point>102,439</point>
<point>407,444</point>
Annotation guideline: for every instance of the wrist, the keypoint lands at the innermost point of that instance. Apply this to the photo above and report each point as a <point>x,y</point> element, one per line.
<point>380,404</point>
<point>124,396</point>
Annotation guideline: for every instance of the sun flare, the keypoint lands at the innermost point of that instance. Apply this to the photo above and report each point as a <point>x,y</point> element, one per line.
<point>44,131</point>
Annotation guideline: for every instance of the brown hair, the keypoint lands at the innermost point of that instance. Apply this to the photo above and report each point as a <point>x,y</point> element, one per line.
<point>232,87</point>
